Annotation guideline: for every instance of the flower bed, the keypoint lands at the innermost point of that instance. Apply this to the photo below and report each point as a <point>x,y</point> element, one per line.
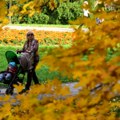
<point>17,37</point>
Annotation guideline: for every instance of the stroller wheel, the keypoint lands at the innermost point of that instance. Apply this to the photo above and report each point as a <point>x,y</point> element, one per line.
<point>9,91</point>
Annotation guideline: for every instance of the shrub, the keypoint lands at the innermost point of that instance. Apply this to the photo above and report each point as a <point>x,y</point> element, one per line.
<point>67,11</point>
<point>40,18</point>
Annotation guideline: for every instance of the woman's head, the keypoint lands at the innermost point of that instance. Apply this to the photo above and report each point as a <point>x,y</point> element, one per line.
<point>30,35</point>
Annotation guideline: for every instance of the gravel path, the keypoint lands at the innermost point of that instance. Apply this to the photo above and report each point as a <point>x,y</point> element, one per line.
<point>74,91</point>
<point>71,86</point>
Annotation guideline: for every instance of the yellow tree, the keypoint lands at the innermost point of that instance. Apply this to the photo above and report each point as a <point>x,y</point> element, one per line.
<point>3,13</point>
<point>96,70</point>
<point>29,7</point>
<point>89,104</point>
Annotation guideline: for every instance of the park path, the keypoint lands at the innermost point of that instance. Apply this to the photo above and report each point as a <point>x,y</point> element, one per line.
<point>73,91</point>
<point>40,28</point>
<point>71,86</point>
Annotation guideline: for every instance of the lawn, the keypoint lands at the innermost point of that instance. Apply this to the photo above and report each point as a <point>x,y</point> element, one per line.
<point>42,25</point>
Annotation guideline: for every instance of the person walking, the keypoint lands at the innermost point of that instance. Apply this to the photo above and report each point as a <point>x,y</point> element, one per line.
<point>31,48</point>
<point>86,12</point>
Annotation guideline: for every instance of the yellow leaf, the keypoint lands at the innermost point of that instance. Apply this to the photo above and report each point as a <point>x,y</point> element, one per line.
<point>92,111</point>
<point>116,88</point>
<point>22,1</point>
<point>83,82</point>
<point>95,99</point>
<point>64,91</point>
<point>19,87</point>
<point>82,102</point>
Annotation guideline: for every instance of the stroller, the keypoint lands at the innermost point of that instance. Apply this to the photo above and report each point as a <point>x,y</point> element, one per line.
<point>21,63</point>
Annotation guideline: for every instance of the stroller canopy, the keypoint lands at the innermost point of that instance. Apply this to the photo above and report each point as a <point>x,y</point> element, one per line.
<point>11,56</point>
<point>24,59</point>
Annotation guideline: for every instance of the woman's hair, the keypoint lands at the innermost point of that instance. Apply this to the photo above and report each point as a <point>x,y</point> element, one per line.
<point>29,33</point>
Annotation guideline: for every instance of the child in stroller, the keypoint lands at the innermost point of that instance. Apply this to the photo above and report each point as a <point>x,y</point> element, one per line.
<point>14,74</point>
<point>7,75</point>
<point>18,66</point>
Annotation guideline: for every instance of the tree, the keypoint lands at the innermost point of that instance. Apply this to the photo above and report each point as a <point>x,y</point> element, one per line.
<point>3,13</point>
<point>96,70</point>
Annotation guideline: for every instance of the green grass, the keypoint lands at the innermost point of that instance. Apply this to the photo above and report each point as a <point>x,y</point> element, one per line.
<point>43,73</point>
<point>42,25</point>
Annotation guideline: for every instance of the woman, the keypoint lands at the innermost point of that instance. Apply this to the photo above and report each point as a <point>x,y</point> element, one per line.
<point>31,47</point>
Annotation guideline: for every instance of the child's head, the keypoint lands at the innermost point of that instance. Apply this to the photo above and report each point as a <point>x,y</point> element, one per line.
<point>12,67</point>
<point>12,64</point>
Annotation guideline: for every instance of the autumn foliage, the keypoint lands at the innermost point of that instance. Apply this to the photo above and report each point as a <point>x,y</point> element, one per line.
<point>56,102</point>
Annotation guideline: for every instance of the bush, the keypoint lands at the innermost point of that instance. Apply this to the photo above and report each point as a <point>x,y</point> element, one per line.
<point>15,19</point>
<point>43,19</point>
<point>36,19</point>
<point>66,12</point>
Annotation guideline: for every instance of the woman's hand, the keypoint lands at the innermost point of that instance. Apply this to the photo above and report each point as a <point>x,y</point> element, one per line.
<point>27,51</point>
<point>18,51</point>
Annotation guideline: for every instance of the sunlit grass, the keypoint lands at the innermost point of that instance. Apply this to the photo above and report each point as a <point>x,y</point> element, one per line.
<point>42,25</point>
